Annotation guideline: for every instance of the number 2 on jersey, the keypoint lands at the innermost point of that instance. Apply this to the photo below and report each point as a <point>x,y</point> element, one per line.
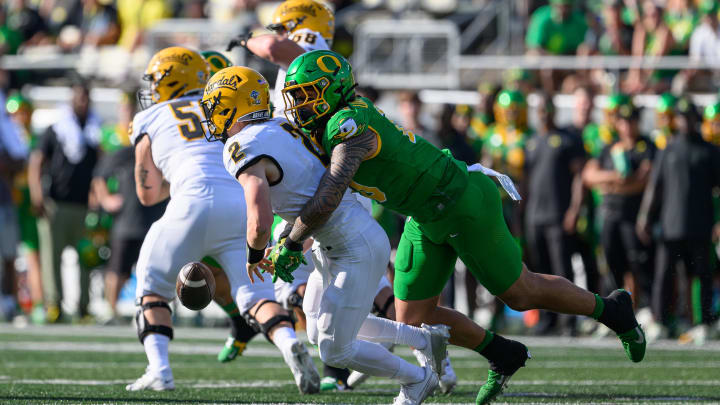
<point>191,127</point>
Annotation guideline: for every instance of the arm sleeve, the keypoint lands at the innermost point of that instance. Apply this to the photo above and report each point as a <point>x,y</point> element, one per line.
<point>345,124</point>
<point>241,152</point>
<point>534,37</point>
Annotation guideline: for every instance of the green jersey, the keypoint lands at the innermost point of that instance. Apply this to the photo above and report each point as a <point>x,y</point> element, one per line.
<point>406,174</point>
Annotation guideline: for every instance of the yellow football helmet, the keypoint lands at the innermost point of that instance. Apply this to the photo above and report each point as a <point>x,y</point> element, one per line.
<point>293,15</point>
<point>234,94</point>
<point>173,72</point>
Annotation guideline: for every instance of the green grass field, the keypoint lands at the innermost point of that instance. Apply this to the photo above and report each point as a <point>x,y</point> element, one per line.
<point>92,365</point>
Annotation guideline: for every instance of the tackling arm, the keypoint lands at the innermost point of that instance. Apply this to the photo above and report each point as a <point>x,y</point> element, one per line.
<point>277,49</point>
<point>344,162</point>
<point>150,186</point>
<point>259,211</point>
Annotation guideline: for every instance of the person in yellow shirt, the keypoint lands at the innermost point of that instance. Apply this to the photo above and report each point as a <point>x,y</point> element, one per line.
<point>136,16</point>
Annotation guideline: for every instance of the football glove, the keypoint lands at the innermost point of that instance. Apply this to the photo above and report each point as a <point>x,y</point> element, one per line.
<point>285,261</point>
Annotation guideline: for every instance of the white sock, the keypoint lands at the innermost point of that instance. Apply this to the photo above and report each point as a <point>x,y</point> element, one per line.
<point>156,349</point>
<point>284,337</point>
<point>373,359</point>
<point>379,330</point>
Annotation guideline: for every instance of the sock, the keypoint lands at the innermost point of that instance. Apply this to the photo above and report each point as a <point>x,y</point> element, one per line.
<point>240,329</point>
<point>379,330</point>
<point>613,313</point>
<point>231,309</point>
<point>156,349</point>
<point>340,374</point>
<point>284,337</point>
<point>375,360</point>
<point>486,341</point>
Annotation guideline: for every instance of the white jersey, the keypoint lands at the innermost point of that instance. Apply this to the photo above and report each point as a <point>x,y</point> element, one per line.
<point>301,167</point>
<point>179,149</point>
<point>308,40</point>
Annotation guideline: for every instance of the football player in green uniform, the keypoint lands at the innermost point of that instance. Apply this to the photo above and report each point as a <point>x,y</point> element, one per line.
<point>453,213</point>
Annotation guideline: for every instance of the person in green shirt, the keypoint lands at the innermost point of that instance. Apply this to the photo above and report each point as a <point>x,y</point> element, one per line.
<point>455,212</point>
<point>664,113</point>
<point>556,28</point>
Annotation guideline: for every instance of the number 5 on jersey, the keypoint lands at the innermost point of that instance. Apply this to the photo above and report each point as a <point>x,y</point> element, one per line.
<point>191,127</point>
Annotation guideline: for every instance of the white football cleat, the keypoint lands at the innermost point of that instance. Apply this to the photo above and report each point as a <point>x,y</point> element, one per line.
<point>435,351</point>
<point>301,364</point>
<point>153,382</point>
<point>415,393</point>
<point>448,380</point>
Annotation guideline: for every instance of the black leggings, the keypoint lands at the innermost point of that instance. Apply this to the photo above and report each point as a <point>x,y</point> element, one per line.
<point>695,255</point>
<point>623,250</point>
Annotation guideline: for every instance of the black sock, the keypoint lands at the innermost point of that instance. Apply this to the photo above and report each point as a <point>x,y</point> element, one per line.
<point>617,312</point>
<point>240,329</point>
<point>505,356</point>
<point>340,374</point>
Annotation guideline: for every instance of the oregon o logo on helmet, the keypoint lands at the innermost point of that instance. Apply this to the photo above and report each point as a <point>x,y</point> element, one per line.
<point>321,63</point>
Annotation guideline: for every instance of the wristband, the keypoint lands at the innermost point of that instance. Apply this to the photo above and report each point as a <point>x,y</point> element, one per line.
<point>292,245</point>
<point>254,255</point>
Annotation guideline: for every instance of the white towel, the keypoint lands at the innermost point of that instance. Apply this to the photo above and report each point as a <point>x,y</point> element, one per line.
<point>73,138</point>
<point>505,181</point>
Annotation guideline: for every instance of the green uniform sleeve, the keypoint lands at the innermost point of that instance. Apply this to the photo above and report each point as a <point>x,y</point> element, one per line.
<point>345,124</point>
<point>536,36</point>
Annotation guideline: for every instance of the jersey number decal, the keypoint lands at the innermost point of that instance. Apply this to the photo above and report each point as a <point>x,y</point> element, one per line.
<point>372,193</point>
<point>235,152</point>
<point>191,128</point>
<point>309,38</point>
<point>307,143</point>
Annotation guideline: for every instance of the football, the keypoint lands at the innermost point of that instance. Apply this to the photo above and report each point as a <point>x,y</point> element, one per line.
<point>195,286</point>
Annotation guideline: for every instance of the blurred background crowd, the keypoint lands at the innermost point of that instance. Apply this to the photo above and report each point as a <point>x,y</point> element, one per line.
<point>604,112</point>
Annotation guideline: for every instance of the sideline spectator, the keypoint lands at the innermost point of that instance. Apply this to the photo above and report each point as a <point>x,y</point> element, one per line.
<point>555,29</point>
<point>59,176</point>
<point>13,153</point>
<point>136,16</point>
<point>27,23</point>
<point>621,173</point>
<point>410,109</point>
<point>652,37</point>
<point>454,123</point>
<point>679,197</point>
<point>21,110</point>
<point>554,162</point>
<point>704,46</point>
<point>682,18</point>
<point>132,220</point>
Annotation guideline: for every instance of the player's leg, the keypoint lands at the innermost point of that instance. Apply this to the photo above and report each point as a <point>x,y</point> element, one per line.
<point>260,310</point>
<point>697,261</point>
<point>174,240</point>
<point>51,248</point>
<point>344,309</point>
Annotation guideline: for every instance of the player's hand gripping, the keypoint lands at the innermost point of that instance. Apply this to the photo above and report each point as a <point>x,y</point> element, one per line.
<point>285,260</point>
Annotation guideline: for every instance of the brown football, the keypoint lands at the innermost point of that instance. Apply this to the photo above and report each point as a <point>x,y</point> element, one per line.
<point>195,286</point>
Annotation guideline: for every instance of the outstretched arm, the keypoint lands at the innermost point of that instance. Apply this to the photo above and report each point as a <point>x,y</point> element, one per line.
<point>277,49</point>
<point>344,162</point>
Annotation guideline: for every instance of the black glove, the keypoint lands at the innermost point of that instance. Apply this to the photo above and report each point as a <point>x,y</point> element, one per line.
<point>240,40</point>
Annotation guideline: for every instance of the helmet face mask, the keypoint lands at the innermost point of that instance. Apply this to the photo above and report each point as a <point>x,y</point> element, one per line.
<point>234,94</point>
<point>306,102</point>
<point>173,72</point>
<point>317,84</point>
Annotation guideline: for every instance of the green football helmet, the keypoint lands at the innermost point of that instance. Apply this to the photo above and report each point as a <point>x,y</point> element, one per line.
<point>216,61</point>
<point>317,84</point>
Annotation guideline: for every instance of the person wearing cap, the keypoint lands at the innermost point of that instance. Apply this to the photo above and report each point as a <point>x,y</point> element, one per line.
<point>664,113</point>
<point>20,110</point>
<point>504,147</point>
<point>678,202</point>
<point>621,173</point>
<point>711,124</point>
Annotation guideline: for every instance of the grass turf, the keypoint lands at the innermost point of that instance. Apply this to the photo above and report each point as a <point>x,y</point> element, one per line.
<point>93,365</point>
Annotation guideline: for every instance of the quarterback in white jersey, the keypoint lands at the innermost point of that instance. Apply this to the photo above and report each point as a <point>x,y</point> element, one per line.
<point>279,169</point>
<point>205,217</point>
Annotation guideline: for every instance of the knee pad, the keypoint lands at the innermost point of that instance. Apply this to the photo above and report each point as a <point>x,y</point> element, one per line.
<point>381,312</point>
<point>334,353</point>
<point>144,327</point>
<point>266,326</point>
